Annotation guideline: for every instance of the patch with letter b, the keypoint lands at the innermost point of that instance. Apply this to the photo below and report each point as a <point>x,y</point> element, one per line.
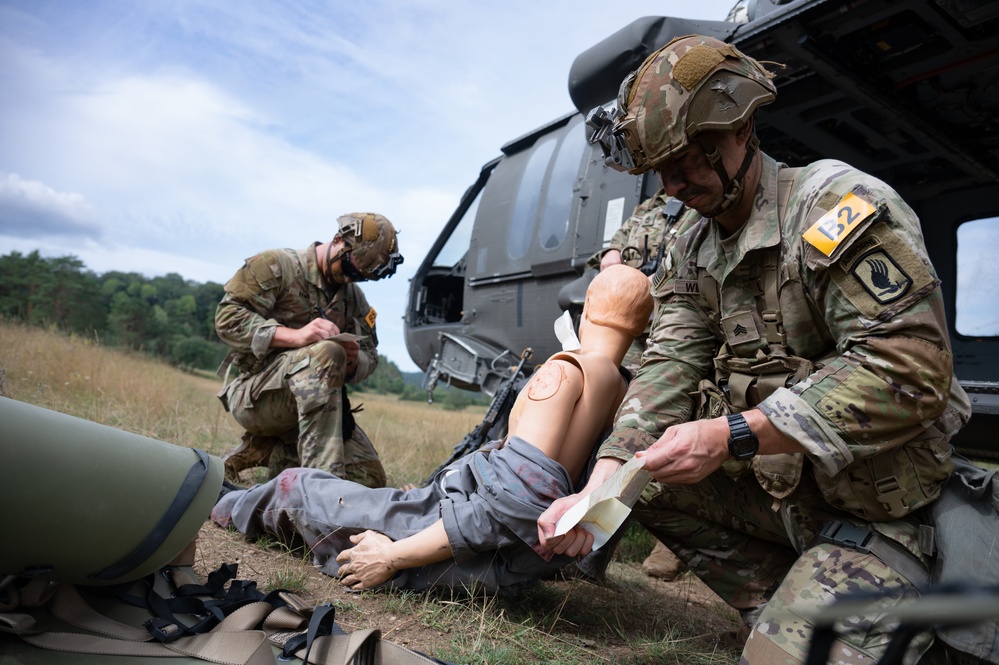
<point>370,318</point>
<point>881,276</point>
<point>833,227</point>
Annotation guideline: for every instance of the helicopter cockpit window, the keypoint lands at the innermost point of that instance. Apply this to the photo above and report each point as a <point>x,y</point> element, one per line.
<point>555,219</point>
<point>526,204</point>
<point>976,314</point>
<point>456,246</point>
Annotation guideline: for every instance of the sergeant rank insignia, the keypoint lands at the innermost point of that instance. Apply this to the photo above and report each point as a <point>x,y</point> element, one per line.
<point>881,276</point>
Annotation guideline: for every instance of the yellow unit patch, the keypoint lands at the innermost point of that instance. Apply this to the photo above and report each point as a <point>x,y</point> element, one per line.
<point>834,226</point>
<point>370,318</point>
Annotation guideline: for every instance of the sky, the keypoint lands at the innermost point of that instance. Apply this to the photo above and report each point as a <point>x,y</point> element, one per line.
<point>183,136</point>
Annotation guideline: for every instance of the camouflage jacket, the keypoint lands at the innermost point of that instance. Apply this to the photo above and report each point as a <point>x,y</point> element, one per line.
<point>283,287</point>
<point>643,231</point>
<point>857,295</point>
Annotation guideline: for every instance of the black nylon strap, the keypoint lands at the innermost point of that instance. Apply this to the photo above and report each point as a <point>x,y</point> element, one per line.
<point>893,555</point>
<point>181,502</point>
<point>321,624</point>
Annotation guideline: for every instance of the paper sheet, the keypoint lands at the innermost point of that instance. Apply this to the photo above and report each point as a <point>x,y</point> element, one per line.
<point>346,337</point>
<point>607,507</point>
<point>566,333</point>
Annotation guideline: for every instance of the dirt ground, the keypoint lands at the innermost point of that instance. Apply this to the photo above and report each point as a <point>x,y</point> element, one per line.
<point>718,625</point>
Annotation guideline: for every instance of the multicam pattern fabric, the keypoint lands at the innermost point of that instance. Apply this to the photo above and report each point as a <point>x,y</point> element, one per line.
<point>367,472</point>
<point>295,394</point>
<point>821,573</point>
<point>885,375</point>
<point>881,401</point>
<point>741,541</point>
<point>643,231</point>
<point>661,95</point>
<point>370,237</point>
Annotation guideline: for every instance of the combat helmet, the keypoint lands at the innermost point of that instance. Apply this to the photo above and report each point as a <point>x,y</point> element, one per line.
<point>692,85</point>
<point>371,246</point>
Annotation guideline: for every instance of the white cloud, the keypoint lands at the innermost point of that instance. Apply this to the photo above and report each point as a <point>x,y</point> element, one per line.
<point>30,209</point>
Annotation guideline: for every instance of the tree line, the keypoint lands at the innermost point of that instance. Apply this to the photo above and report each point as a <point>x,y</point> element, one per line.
<point>168,317</point>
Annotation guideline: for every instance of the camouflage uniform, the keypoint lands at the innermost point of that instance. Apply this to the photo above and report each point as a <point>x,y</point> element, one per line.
<point>644,228</point>
<point>642,232</point>
<point>833,326</point>
<point>289,396</point>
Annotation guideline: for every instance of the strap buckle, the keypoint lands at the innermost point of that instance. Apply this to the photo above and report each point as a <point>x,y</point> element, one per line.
<point>891,495</point>
<point>844,534</point>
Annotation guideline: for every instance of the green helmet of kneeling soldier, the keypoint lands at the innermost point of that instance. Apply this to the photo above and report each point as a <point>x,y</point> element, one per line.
<point>370,247</point>
<point>692,85</point>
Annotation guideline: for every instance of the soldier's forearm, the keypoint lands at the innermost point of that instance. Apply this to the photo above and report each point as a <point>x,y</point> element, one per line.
<point>772,440</point>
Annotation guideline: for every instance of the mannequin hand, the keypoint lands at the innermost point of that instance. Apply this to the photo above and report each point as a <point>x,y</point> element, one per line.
<point>368,563</point>
<point>575,542</point>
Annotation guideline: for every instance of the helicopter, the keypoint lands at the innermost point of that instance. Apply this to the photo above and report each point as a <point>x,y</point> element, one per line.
<point>906,90</point>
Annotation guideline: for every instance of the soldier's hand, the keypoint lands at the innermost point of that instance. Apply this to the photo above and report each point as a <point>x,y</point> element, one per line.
<point>296,338</point>
<point>577,541</point>
<point>368,563</point>
<point>317,330</point>
<point>612,257</point>
<point>687,453</point>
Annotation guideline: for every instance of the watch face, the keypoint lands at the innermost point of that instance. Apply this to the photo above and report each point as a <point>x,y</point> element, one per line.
<point>743,447</point>
<point>742,443</point>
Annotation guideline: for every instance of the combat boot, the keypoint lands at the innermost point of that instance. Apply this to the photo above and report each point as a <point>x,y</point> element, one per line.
<point>663,564</point>
<point>253,450</point>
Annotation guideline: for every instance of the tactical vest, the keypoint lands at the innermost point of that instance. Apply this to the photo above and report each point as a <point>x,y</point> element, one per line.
<point>267,276</point>
<point>883,487</point>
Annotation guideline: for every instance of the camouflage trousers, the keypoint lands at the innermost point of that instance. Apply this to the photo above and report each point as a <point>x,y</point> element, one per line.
<point>756,551</point>
<point>293,413</point>
<point>633,356</point>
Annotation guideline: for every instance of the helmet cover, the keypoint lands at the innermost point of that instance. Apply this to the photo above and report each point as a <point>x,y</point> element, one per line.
<point>693,84</point>
<point>371,242</point>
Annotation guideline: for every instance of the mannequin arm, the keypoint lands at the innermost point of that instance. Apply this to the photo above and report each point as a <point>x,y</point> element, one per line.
<point>375,557</point>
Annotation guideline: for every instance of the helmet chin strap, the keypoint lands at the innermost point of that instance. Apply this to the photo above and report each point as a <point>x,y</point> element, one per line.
<point>732,188</point>
<point>330,260</point>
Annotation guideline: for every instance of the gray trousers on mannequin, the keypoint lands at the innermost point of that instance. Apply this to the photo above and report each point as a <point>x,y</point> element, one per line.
<point>489,502</point>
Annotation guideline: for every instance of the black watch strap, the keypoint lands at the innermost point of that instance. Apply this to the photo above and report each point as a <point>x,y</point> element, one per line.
<point>742,443</point>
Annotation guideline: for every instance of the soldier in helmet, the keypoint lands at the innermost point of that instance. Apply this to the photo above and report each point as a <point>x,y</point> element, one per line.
<point>299,328</point>
<point>796,400</point>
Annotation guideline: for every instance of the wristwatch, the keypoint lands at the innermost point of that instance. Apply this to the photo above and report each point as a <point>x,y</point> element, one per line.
<point>742,443</point>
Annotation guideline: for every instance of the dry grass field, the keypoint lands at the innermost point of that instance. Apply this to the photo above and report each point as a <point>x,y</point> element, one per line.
<point>630,618</point>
